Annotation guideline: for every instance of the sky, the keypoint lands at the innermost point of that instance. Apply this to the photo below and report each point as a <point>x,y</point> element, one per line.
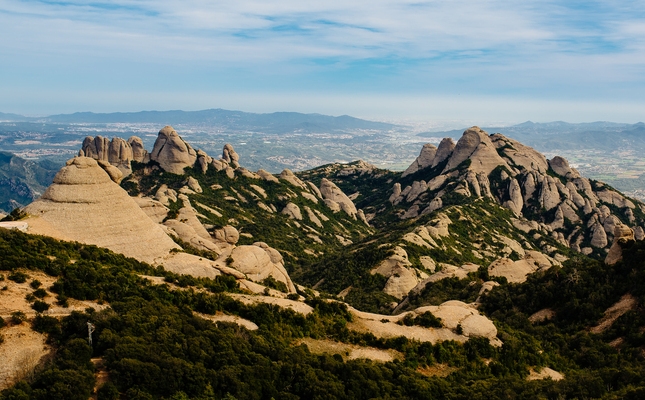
<point>486,60</point>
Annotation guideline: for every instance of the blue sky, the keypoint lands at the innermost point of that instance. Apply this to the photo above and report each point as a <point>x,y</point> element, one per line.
<point>425,60</point>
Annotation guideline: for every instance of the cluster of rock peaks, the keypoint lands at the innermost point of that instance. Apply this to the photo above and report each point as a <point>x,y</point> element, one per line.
<point>545,195</point>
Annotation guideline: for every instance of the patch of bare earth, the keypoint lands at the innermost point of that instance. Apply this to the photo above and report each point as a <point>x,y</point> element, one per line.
<point>20,353</point>
<point>13,298</point>
<point>349,351</point>
<point>439,370</point>
<point>542,315</point>
<point>626,303</point>
<point>24,350</point>
<point>229,318</point>
<point>545,373</point>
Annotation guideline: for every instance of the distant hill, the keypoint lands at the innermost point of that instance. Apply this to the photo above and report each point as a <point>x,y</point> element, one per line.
<point>12,117</point>
<point>562,135</point>
<point>277,122</point>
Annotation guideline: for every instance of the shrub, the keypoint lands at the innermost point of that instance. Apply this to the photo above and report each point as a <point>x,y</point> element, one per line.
<point>108,392</point>
<point>17,317</point>
<point>61,300</point>
<point>35,284</point>
<point>40,306</point>
<point>40,293</point>
<point>18,277</point>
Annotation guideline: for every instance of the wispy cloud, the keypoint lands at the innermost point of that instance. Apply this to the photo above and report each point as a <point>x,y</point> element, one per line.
<point>490,47</point>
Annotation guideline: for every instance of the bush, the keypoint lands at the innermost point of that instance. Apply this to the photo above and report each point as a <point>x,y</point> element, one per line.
<point>40,306</point>
<point>35,284</point>
<point>61,300</point>
<point>18,277</point>
<point>40,293</point>
<point>108,392</point>
<point>17,317</point>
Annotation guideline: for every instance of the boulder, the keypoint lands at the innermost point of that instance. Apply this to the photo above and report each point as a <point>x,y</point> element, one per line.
<point>598,236</point>
<point>115,174</point>
<point>290,177</point>
<point>292,211</point>
<point>560,166</point>
<point>203,161</point>
<point>227,234</point>
<point>267,176</point>
<point>171,152</point>
<point>330,191</point>
<point>622,235</point>
<point>396,192</point>
<point>193,184</point>
<point>516,203</point>
<point>259,263</point>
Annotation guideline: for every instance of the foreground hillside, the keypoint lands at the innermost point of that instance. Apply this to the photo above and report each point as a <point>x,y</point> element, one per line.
<point>479,272</point>
<point>157,341</point>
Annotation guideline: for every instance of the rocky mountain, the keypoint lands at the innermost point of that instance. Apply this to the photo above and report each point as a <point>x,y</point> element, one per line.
<point>22,181</point>
<point>475,237</point>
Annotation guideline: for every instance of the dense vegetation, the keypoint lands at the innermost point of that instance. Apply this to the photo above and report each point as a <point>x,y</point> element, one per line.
<point>155,347</point>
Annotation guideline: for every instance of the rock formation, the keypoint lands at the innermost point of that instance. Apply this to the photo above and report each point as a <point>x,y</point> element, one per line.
<point>520,179</point>
<point>425,159</point>
<point>622,235</point>
<point>117,151</point>
<point>259,262</point>
<point>336,199</point>
<point>171,152</point>
<point>85,205</point>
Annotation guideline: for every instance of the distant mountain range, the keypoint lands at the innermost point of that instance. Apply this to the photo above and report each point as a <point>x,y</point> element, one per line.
<point>277,122</point>
<point>562,135</point>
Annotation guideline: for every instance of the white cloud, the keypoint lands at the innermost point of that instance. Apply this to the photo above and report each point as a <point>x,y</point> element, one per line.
<point>386,48</point>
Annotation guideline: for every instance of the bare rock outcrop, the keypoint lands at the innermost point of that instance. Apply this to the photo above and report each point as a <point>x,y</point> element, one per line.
<point>227,234</point>
<point>171,152</point>
<point>424,160</point>
<point>116,152</point>
<point>560,166</point>
<point>259,262</point>
<point>292,211</point>
<point>290,177</point>
<point>267,176</point>
<point>155,210</point>
<point>622,235</point>
<point>517,271</point>
<point>476,146</point>
<point>230,156</point>
<point>445,149</point>
<point>139,153</point>
<point>85,205</point>
<point>332,193</point>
